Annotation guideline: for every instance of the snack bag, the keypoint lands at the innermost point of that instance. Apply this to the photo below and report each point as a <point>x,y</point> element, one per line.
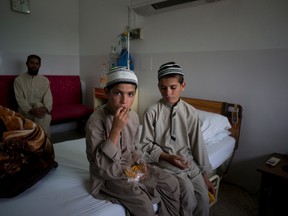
<point>138,169</point>
<point>135,172</point>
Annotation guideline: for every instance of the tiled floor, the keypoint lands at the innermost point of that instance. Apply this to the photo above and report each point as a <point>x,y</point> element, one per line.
<point>234,201</point>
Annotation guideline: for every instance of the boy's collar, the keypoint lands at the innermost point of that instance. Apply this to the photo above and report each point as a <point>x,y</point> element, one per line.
<point>169,105</point>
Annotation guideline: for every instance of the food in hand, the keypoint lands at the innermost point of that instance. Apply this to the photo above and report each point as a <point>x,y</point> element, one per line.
<point>135,171</point>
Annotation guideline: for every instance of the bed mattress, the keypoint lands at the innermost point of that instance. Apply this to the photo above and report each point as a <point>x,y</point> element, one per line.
<point>64,191</point>
<point>220,151</point>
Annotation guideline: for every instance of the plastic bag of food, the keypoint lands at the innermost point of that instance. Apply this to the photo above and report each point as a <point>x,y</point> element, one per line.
<point>138,169</point>
<point>135,172</point>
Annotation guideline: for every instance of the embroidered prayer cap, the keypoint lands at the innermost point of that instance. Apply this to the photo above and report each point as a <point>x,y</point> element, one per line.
<point>169,68</point>
<point>121,75</point>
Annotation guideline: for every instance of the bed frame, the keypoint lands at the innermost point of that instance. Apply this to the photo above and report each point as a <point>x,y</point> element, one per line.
<point>234,114</point>
<point>232,111</point>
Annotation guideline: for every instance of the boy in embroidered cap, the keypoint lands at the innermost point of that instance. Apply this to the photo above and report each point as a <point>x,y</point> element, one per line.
<point>173,137</point>
<point>111,138</point>
<point>169,68</point>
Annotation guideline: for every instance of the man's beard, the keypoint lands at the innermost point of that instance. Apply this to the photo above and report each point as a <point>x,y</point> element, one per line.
<point>33,72</point>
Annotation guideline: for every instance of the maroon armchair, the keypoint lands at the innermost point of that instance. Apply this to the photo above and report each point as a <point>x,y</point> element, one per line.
<point>67,97</point>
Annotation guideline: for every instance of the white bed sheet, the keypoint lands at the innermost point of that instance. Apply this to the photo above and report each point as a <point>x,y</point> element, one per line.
<point>220,151</point>
<point>64,191</point>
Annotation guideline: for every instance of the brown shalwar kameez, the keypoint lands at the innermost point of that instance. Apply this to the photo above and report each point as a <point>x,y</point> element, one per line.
<point>108,161</point>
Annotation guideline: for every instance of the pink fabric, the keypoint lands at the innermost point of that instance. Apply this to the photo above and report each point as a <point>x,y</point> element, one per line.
<point>66,92</point>
<point>65,89</point>
<point>7,98</point>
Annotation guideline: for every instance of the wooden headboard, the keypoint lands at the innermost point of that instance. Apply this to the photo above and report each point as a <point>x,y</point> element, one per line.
<point>232,111</point>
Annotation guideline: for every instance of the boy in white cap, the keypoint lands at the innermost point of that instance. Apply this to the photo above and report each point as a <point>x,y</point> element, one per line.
<point>172,136</point>
<point>111,136</point>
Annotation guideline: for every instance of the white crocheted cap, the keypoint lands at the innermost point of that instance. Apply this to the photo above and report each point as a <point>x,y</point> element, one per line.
<point>121,75</point>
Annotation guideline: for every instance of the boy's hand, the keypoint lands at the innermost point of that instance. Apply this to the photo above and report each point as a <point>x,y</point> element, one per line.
<point>39,112</point>
<point>175,160</point>
<point>120,118</point>
<point>179,162</point>
<point>209,184</point>
<point>119,122</point>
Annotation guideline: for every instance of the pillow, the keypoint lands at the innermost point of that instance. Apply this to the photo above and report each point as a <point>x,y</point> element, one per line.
<point>26,154</point>
<point>217,137</point>
<point>213,125</point>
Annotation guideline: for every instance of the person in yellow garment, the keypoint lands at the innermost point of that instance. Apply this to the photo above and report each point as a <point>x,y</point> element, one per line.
<point>173,138</point>
<point>33,94</point>
<point>116,168</point>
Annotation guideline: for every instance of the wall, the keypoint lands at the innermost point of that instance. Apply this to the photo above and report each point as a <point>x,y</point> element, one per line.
<point>51,30</point>
<point>101,23</point>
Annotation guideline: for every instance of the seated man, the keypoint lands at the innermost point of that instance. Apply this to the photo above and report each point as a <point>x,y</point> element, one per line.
<point>111,136</point>
<point>33,94</point>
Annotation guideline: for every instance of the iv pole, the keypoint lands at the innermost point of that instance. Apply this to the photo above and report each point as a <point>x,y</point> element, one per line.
<point>126,33</point>
<point>128,49</point>
<point>128,39</point>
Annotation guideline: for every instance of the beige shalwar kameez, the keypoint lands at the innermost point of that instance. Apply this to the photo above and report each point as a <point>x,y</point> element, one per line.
<point>176,131</point>
<point>34,91</point>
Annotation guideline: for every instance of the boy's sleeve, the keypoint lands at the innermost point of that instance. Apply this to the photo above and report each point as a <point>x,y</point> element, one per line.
<point>148,144</point>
